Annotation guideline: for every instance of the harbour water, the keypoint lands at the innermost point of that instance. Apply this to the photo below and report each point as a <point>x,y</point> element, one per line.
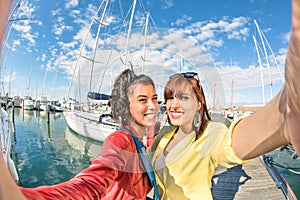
<point>47,153</point>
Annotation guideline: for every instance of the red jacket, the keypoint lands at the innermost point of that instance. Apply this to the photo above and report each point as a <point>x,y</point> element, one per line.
<point>117,173</point>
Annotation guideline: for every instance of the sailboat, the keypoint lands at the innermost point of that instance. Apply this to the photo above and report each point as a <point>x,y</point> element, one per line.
<point>145,49</point>
<point>28,103</point>
<point>5,140</point>
<point>91,120</point>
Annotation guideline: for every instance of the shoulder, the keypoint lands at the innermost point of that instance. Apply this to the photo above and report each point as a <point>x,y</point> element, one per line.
<point>120,139</point>
<point>214,135</point>
<point>215,130</point>
<point>166,129</point>
<point>162,133</point>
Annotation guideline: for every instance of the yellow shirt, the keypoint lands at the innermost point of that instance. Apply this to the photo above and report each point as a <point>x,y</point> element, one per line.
<point>190,165</point>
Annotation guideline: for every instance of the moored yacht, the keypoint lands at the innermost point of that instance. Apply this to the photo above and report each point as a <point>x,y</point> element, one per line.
<point>28,103</point>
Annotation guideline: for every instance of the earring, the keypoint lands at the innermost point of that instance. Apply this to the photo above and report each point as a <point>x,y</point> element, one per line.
<point>196,119</point>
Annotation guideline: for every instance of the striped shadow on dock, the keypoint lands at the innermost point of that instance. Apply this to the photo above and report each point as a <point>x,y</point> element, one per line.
<point>242,182</point>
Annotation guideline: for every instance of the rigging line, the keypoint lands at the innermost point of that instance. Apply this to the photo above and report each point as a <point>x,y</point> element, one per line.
<point>107,30</point>
<point>121,10</point>
<point>275,60</point>
<point>266,56</point>
<point>129,32</point>
<point>80,51</point>
<point>142,6</point>
<point>101,23</point>
<point>5,39</point>
<point>152,20</point>
<point>291,169</point>
<point>112,48</point>
<point>261,73</point>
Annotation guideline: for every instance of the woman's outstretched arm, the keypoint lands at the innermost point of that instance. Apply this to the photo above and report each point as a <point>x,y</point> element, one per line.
<point>8,187</point>
<point>278,122</point>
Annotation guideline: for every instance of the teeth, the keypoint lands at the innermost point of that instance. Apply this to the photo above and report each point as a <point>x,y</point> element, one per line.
<point>150,116</point>
<point>176,114</point>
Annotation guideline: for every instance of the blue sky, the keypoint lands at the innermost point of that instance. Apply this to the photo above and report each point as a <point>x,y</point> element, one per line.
<point>214,38</point>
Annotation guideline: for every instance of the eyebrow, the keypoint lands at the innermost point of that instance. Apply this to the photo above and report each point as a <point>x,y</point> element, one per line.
<point>155,95</point>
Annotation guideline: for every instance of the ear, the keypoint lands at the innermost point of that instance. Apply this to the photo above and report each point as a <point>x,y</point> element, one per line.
<point>199,105</point>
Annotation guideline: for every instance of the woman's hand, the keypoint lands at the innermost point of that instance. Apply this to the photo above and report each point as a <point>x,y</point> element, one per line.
<point>292,74</point>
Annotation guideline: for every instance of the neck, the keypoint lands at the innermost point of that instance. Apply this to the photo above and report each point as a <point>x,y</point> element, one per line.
<point>138,130</point>
<point>185,130</point>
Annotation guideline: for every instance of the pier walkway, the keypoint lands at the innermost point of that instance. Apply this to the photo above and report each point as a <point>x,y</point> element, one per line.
<point>249,181</point>
<point>253,180</point>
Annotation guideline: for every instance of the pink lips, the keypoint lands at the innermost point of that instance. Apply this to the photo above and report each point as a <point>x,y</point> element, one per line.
<point>176,115</point>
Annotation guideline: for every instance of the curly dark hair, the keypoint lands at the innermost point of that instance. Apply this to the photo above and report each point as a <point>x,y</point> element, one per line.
<point>122,89</point>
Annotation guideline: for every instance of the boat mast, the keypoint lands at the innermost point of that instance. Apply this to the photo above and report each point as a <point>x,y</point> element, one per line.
<point>232,89</point>
<point>266,57</point>
<point>81,48</point>
<point>29,79</point>
<point>275,60</point>
<point>215,89</point>
<point>97,40</point>
<point>261,72</point>
<point>145,35</point>
<point>128,34</point>
<point>44,82</point>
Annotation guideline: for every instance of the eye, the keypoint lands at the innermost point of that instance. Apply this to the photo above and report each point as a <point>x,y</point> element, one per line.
<point>155,99</point>
<point>184,97</point>
<point>170,98</point>
<point>143,100</point>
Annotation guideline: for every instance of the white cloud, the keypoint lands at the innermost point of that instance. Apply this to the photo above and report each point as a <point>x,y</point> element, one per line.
<point>71,3</point>
<point>181,21</point>
<point>167,4</point>
<point>286,37</point>
<point>60,27</point>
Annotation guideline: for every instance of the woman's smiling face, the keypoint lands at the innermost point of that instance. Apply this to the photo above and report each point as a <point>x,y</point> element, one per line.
<point>182,107</point>
<point>143,105</point>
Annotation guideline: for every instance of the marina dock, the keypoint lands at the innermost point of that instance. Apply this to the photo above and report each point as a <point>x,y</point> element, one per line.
<point>253,180</point>
<point>249,181</point>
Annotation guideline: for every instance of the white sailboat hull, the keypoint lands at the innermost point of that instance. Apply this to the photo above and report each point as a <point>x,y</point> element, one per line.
<point>6,144</point>
<point>28,105</point>
<point>88,125</point>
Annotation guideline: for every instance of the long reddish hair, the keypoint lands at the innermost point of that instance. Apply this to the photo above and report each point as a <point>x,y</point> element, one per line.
<point>177,85</point>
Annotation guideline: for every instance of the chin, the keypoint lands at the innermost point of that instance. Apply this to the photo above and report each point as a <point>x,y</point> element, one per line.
<point>176,122</point>
<point>151,124</point>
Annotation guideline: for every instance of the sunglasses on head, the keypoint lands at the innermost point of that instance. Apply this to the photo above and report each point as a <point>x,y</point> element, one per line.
<point>186,75</point>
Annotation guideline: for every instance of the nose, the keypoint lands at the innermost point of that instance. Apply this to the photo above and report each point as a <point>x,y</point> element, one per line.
<point>151,105</point>
<point>175,102</point>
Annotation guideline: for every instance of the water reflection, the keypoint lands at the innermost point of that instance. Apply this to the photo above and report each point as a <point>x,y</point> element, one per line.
<point>283,162</point>
<point>27,115</point>
<point>48,154</point>
<point>85,146</point>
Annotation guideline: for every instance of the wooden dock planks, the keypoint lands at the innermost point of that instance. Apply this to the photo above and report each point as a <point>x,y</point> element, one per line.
<point>248,181</point>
